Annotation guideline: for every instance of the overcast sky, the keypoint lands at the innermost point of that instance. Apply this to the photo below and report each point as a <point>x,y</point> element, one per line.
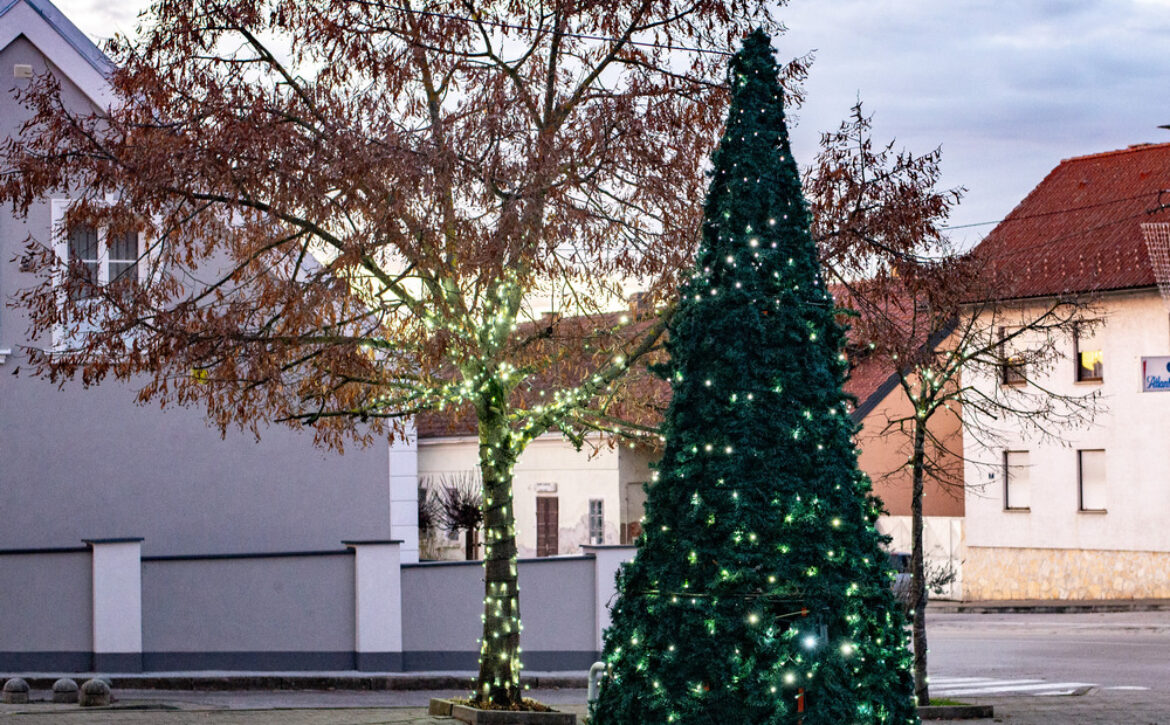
<point>1007,88</point>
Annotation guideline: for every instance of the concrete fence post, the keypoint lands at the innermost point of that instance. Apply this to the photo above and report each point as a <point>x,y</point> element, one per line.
<point>117,604</point>
<point>377,571</point>
<point>606,562</point>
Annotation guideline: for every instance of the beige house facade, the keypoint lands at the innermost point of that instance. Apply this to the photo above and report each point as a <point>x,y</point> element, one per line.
<point>564,498</point>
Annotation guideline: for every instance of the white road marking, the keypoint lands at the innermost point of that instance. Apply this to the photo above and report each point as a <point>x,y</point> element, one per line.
<point>1009,686</point>
<point>1127,687</point>
<point>956,680</point>
<point>1001,684</point>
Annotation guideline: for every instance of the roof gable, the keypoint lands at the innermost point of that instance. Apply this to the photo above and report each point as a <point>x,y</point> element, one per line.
<point>1079,230</point>
<point>60,41</point>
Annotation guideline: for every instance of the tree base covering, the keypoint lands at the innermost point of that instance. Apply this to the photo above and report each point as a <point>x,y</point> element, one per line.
<point>524,705</point>
<point>760,592</point>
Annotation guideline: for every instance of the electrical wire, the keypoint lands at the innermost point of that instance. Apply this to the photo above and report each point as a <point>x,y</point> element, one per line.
<point>1064,210</point>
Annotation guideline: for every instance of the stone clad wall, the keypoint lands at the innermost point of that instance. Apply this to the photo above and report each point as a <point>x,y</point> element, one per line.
<point>1018,573</point>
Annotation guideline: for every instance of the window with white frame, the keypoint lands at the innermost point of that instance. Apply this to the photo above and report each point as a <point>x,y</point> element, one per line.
<point>99,256</point>
<point>1091,479</point>
<point>596,522</point>
<point>96,255</point>
<point>1017,485</point>
<point>81,255</point>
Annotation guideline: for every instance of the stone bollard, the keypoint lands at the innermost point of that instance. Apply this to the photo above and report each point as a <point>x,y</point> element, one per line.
<point>16,692</point>
<point>64,690</point>
<point>95,693</point>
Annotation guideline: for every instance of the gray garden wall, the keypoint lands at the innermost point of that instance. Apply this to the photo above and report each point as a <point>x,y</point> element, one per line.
<point>312,610</point>
<point>45,613</point>
<point>270,613</point>
<point>442,604</point>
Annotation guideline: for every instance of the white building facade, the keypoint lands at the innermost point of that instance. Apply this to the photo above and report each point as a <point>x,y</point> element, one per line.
<point>1082,516</point>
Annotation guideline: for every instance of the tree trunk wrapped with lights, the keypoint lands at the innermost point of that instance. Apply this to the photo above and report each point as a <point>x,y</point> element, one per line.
<point>760,592</point>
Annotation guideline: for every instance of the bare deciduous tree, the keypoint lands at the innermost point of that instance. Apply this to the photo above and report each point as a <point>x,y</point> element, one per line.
<point>938,319</point>
<point>943,328</point>
<point>351,206</point>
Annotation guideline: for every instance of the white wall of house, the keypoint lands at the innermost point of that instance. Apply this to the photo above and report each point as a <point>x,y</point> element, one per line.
<point>549,467</point>
<point>1052,548</point>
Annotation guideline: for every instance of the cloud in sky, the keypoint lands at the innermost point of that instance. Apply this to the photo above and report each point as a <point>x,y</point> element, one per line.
<point>1007,89</point>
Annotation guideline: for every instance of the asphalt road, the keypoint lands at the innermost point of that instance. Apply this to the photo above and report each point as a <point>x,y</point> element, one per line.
<point>1110,650</point>
<point>1123,657</point>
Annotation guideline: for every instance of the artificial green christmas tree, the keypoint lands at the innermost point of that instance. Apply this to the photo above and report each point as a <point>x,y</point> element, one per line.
<point>760,593</point>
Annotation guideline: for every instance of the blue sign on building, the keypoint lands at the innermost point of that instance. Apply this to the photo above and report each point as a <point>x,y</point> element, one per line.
<point>1155,374</point>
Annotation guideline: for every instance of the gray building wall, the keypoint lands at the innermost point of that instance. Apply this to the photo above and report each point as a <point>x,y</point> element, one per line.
<point>272,613</point>
<point>47,618</point>
<point>78,463</point>
<point>442,603</point>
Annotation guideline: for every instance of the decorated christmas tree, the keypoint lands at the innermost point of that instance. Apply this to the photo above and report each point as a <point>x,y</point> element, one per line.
<point>760,593</point>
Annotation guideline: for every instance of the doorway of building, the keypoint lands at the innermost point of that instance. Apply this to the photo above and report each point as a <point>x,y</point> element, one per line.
<point>547,525</point>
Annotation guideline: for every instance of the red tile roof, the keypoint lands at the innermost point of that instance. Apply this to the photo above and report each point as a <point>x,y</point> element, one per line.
<point>1079,229</point>
<point>870,382</point>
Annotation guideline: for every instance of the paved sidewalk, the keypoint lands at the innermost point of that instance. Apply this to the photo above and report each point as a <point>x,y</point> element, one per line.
<point>1098,707</point>
<point>318,716</point>
<point>278,681</point>
<point>1095,708</point>
<point>347,707</point>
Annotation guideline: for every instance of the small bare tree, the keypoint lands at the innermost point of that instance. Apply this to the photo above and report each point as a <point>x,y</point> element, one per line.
<point>428,521</point>
<point>943,328</point>
<point>935,318</point>
<point>460,506</point>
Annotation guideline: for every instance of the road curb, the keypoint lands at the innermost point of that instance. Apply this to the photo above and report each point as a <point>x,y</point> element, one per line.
<point>376,683</point>
<point>1065,606</point>
<point>956,712</point>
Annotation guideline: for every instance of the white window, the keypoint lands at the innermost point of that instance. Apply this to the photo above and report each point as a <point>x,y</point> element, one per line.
<point>1091,480</point>
<point>596,522</point>
<point>96,255</point>
<point>1017,486</point>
